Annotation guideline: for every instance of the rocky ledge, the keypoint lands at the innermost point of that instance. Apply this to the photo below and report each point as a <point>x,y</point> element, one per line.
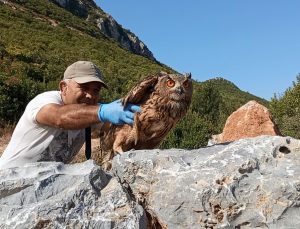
<point>248,183</point>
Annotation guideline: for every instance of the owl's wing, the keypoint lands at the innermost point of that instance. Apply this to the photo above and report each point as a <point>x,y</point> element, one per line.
<point>137,93</point>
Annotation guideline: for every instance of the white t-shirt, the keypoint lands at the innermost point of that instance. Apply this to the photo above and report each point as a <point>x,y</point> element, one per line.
<point>33,142</point>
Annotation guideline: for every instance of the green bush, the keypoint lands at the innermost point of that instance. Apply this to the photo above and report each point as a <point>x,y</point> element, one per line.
<point>286,110</point>
<point>15,93</point>
<point>190,133</point>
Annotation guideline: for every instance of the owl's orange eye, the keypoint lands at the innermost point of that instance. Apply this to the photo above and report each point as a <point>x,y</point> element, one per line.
<point>170,83</point>
<point>186,84</point>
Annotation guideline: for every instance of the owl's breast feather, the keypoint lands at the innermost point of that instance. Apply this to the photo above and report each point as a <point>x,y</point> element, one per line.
<point>152,122</point>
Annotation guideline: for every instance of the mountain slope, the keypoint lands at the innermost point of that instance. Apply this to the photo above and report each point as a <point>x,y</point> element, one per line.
<point>231,93</point>
<point>90,12</point>
<point>40,39</point>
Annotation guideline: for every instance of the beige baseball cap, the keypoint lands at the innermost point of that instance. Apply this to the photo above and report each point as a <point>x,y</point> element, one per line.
<point>84,72</point>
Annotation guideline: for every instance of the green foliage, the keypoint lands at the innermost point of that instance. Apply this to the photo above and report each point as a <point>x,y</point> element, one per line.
<point>191,132</point>
<point>215,99</point>
<point>286,110</point>
<point>207,102</point>
<point>39,39</point>
<point>14,96</point>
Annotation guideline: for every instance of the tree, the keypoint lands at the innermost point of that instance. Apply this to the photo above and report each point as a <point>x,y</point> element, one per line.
<point>14,96</point>
<point>286,110</point>
<point>207,102</point>
<point>191,132</point>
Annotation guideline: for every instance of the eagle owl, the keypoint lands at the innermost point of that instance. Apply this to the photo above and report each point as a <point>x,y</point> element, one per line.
<point>164,100</point>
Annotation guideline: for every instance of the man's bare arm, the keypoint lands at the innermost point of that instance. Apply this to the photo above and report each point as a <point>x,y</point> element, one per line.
<point>72,116</point>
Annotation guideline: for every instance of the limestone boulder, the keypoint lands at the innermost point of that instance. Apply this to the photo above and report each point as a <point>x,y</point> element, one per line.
<point>54,195</point>
<point>250,183</point>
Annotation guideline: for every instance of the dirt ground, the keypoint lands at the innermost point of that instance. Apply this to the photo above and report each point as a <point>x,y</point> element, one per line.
<point>4,140</point>
<point>80,157</point>
<point>5,135</point>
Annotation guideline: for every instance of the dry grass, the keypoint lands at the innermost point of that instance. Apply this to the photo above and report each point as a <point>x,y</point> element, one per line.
<point>5,135</point>
<point>80,157</point>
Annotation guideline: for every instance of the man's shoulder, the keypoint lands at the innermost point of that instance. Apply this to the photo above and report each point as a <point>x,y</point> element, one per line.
<point>49,93</point>
<point>48,96</point>
<point>43,99</point>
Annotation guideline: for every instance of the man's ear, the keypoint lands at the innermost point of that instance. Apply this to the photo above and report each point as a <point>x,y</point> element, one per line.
<point>63,87</point>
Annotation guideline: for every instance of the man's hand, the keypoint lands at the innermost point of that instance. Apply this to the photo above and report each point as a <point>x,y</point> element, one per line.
<point>115,113</point>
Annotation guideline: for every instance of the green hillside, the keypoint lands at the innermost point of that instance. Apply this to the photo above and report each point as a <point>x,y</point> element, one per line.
<point>231,93</point>
<point>39,39</point>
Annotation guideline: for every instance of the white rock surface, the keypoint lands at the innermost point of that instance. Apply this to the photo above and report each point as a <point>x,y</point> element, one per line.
<point>54,195</point>
<point>249,183</point>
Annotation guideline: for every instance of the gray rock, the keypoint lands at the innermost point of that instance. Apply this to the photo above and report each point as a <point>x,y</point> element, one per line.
<point>54,195</point>
<point>249,183</point>
<point>244,184</point>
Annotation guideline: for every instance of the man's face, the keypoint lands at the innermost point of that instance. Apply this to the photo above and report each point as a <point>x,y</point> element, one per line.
<point>74,93</point>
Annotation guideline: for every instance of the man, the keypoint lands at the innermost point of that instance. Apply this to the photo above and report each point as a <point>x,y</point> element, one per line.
<point>52,126</point>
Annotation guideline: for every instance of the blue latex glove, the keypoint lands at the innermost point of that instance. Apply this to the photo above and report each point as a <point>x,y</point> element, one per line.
<point>115,113</point>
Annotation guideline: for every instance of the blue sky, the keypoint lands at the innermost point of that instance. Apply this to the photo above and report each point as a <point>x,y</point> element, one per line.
<point>254,44</point>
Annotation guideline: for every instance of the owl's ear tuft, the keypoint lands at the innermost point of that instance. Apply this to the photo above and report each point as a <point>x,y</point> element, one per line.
<point>162,73</point>
<point>188,75</point>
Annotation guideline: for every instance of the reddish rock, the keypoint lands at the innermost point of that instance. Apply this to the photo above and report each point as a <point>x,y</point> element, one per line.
<point>250,120</point>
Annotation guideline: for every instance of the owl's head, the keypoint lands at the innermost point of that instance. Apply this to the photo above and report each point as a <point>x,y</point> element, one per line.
<point>176,87</point>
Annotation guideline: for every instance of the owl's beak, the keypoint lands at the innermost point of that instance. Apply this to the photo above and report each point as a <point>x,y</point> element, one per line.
<point>179,90</point>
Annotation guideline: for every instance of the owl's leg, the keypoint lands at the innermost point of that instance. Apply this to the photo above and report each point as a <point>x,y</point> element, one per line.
<point>106,156</point>
<point>136,129</point>
<point>118,150</point>
<point>106,166</point>
<point>133,136</point>
<point>117,146</point>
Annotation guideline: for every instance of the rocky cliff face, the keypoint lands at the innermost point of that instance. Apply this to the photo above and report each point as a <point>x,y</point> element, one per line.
<point>88,10</point>
<point>79,8</point>
<point>250,183</point>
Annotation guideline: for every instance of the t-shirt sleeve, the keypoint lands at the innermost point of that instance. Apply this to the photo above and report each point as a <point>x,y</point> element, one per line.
<point>35,105</point>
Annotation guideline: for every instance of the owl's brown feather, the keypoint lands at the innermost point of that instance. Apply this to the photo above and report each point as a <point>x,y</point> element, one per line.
<point>162,107</point>
<point>140,91</point>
